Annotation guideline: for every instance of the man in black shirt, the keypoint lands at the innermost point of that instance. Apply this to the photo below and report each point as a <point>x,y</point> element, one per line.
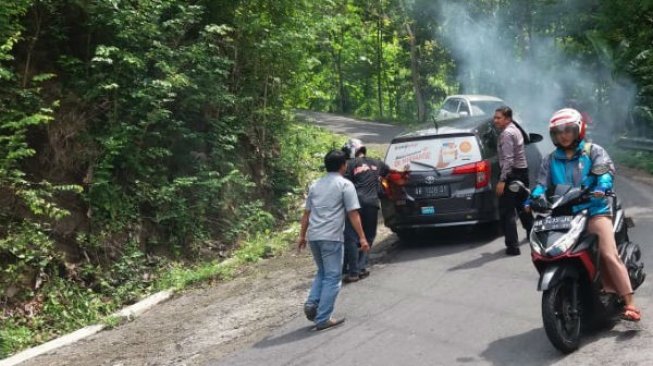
<point>366,175</point>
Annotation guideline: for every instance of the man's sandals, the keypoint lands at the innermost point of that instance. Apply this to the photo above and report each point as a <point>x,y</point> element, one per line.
<point>631,313</point>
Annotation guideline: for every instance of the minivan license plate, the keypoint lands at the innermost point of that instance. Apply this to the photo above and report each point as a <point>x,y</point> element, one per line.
<point>553,223</point>
<point>428,210</point>
<point>436,191</point>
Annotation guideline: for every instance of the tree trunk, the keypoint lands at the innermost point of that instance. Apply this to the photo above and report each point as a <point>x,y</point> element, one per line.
<point>397,86</point>
<point>379,62</point>
<point>32,44</point>
<point>340,78</point>
<point>342,92</point>
<point>414,67</point>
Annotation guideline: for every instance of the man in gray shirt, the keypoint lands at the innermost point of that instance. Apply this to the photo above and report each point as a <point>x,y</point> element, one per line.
<point>512,160</point>
<point>329,199</point>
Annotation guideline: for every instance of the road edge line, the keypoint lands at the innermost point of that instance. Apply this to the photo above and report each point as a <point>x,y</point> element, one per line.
<point>128,313</point>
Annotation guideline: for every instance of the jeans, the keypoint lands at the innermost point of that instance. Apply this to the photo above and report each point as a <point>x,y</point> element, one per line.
<point>328,256</point>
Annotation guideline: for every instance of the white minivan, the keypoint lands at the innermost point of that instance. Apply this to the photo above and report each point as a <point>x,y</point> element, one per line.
<point>468,105</point>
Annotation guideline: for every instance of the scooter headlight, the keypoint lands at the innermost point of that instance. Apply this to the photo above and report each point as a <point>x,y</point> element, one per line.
<point>565,242</point>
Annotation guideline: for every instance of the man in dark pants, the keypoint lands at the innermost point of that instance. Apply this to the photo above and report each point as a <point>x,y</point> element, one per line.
<point>512,160</point>
<point>365,173</point>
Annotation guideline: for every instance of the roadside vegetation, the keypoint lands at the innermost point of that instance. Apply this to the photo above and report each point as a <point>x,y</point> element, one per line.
<point>62,305</point>
<point>641,160</point>
<point>150,144</point>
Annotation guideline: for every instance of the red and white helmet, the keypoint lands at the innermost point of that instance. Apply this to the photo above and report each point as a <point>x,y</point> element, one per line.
<point>564,119</point>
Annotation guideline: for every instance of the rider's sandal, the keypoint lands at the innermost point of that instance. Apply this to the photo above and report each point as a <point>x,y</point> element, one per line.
<point>631,313</point>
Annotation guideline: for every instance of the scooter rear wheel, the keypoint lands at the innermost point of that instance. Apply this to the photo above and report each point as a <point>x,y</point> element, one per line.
<point>562,325</point>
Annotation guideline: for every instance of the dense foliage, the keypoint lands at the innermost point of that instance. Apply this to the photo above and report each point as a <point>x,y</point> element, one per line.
<point>134,131</point>
<point>137,132</point>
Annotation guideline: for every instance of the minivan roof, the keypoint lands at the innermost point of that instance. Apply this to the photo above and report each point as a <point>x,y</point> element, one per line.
<point>457,126</point>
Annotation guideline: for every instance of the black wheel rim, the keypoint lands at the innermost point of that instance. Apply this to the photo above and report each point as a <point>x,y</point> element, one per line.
<point>567,322</point>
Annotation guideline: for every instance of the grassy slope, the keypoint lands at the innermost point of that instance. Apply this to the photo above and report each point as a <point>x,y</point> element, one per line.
<point>66,305</point>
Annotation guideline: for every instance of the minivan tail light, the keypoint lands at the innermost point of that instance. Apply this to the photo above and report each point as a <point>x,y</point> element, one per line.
<point>481,169</point>
<point>465,169</point>
<point>398,178</point>
<point>392,184</point>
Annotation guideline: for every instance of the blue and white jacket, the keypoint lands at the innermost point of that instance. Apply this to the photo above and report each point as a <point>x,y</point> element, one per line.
<point>558,169</point>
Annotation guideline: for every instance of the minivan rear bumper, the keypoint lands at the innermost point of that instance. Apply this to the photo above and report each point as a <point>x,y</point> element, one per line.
<point>480,207</point>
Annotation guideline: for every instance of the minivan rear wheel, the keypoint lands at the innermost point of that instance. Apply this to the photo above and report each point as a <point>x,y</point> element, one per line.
<point>406,235</point>
<point>490,229</point>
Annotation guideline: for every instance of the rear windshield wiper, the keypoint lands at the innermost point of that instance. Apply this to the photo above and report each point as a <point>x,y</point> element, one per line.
<point>435,169</point>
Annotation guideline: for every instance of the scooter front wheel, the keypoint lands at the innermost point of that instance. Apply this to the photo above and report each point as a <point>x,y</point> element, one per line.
<point>562,317</point>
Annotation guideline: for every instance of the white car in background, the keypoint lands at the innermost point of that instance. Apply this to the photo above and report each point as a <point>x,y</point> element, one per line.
<point>468,105</point>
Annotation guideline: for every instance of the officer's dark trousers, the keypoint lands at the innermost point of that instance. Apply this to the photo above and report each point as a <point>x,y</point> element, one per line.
<point>511,206</point>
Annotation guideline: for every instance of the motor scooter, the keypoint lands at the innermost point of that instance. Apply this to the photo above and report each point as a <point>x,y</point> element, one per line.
<point>567,259</point>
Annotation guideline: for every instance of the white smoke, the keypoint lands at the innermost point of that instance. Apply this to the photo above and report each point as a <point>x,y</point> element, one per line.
<point>535,80</point>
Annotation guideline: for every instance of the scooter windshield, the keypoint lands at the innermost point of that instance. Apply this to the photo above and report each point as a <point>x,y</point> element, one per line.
<point>572,194</point>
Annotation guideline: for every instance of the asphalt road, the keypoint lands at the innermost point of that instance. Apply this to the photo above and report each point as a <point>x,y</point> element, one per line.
<point>453,298</point>
<point>370,133</point>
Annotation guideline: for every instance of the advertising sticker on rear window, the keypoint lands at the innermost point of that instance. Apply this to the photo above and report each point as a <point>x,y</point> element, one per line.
<point>436,153</point>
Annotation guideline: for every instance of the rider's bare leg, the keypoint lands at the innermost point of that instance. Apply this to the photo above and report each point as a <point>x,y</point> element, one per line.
<point>615,270</point>
<point>606,280</point>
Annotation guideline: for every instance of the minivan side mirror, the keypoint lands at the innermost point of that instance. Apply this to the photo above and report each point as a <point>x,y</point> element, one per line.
<point>535,138</point>
<point>463,113</point>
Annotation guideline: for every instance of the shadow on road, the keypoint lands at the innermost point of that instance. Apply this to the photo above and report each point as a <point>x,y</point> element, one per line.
<point>486,258</point>
<point>438,243</point>
<point>480,261</point>
<point>617,335</point>
<point>531,348</point>
<point>293,336</point>
<point>627,335</point>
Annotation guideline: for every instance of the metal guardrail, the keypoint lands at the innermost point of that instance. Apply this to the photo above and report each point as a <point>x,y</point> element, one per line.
<point>635,143</point>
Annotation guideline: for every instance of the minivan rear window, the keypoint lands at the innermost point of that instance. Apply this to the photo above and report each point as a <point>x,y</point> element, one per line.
<point>439,152</point>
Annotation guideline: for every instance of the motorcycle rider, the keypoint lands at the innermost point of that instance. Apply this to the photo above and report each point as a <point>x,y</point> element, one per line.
<point>571,163</point>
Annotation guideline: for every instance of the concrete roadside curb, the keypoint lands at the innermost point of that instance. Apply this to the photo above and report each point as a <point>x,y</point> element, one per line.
<point>128,313</point>
<point>142,306</point>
